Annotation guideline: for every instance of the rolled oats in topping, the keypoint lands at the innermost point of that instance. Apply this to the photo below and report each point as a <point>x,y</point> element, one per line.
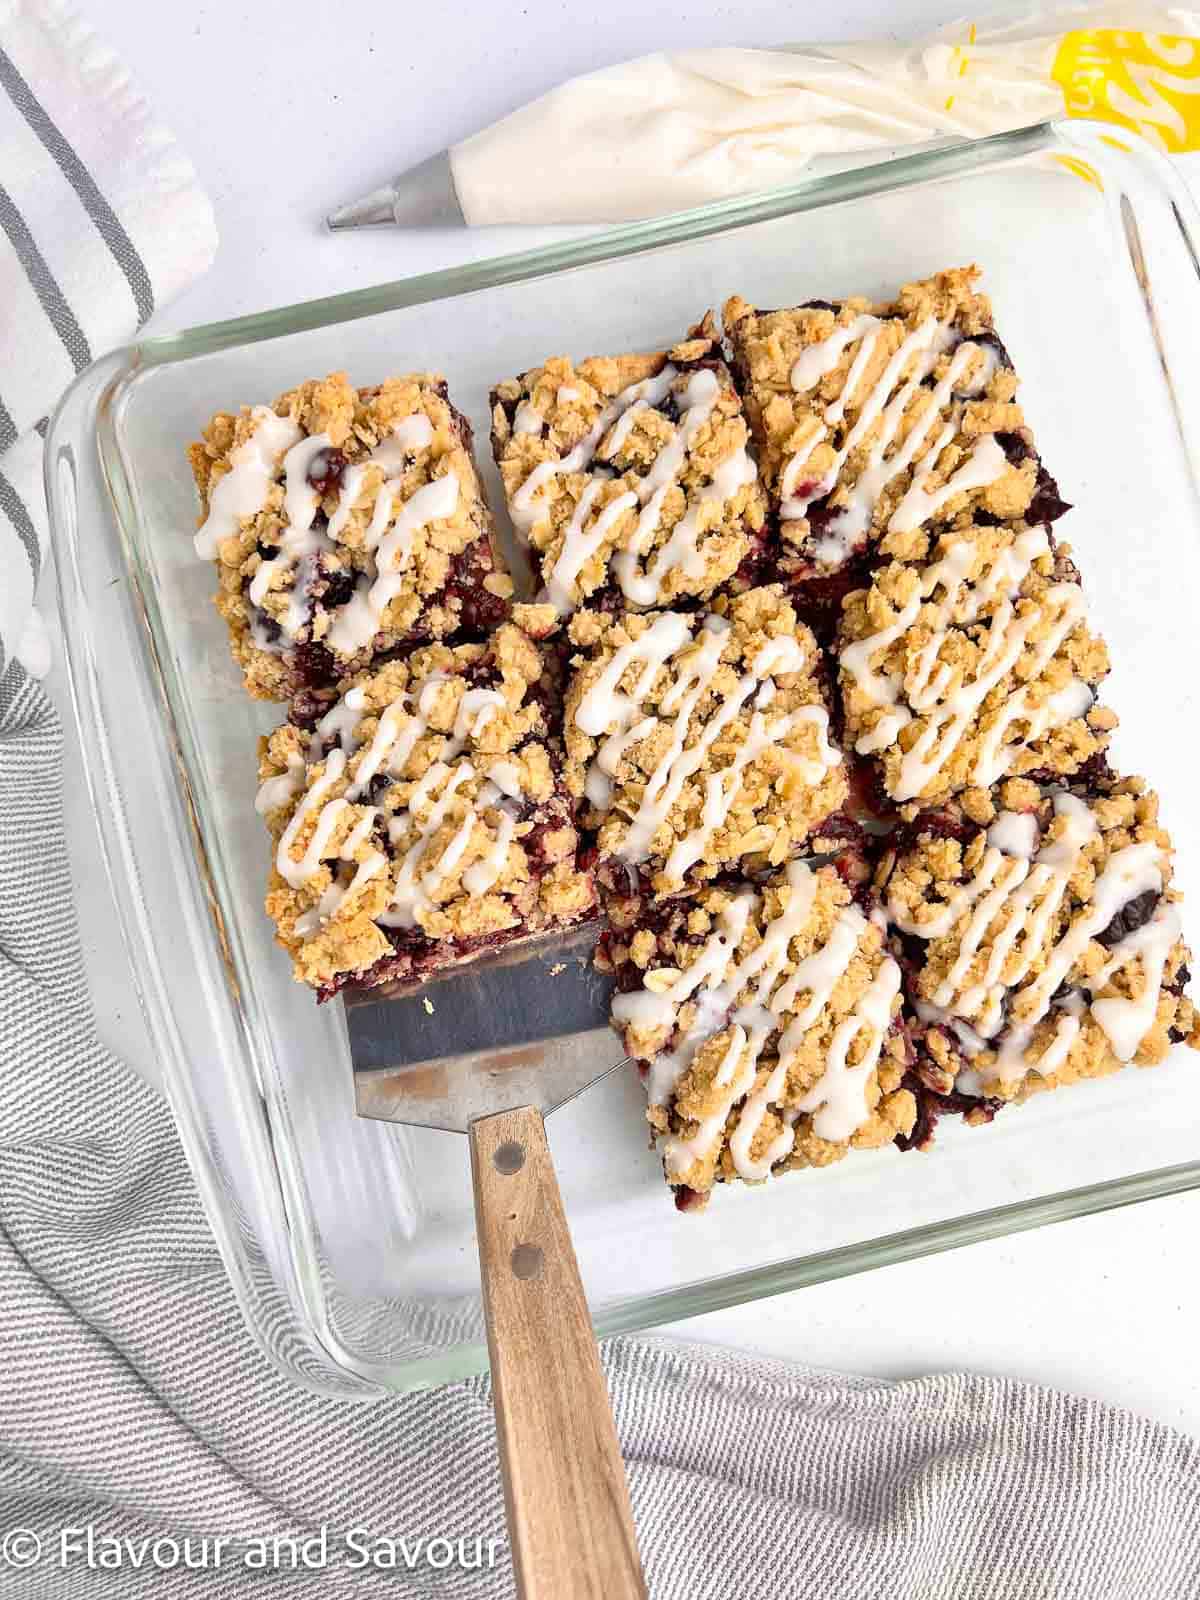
<point>697,742</point>
<point>1051,944</point>
<point>344,522</point>
<point>771,1038</point>
<point>884,418</point>
<point>969,658</point>
<point>629,476</point>
<point>422,818</point>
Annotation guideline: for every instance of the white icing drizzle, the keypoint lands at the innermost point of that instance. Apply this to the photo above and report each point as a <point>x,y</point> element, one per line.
<point>838,1099</point>
<point>400,726</point>
<point>643,586</point>
<point>983,466</point>
<point>297,873</point>
<point>480,877</point>
<point>818,359</point>
<point>528,418</point>
<point>1014,897</point>
<point>276,792</point>
<point>1016,833</point>
<point>299,542</point>
<point>506,775</point>
<point>408,436</point>
<point>358,621</point>
<point>525,505</point>
<point>579,546</point>
<point>338,894</point>
<point>887,403</point>
<point>614,717</point>
<point>393,455</point>
<point>950,711</point>
<point>713,984</point>
<point>242,492</point>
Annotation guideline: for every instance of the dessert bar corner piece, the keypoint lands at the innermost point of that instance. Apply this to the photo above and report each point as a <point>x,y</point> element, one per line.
<point>698,743</point>
<point>421,820</point>
<point>768,1024</point>
<point>344,523</point>
<point>967,658</point>
<point>884,418</point>
<point>1041,940</point>
<point>628,476</point>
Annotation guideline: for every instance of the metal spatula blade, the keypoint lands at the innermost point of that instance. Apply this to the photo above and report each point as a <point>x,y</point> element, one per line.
<point>490,1051</point>
<point>529,1028</point>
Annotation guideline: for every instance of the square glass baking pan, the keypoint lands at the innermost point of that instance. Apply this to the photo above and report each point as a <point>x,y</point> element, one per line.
<point>350,1242</point>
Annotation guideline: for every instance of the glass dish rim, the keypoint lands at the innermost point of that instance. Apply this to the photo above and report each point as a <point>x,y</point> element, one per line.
<point>946,160</point>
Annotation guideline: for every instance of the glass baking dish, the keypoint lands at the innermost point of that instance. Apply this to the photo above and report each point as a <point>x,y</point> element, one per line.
<point>351,1243</point>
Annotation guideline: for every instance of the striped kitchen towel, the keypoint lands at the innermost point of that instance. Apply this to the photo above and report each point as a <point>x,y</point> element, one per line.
<point>101,220</point>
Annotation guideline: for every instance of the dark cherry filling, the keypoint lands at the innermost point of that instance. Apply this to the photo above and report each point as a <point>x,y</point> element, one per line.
<point>1046,504</point>
<point>818,597</point>
<point>1134,914</point>
<point>325,471</point>
<point>270,628</point>
<point>1093,776</point>
<point>933,825</point>
<point>479,610</point>
<point>991,341</point>
<point>867,798</point>
<point>689,1199</point>
<point>931,1107</point>
<point>338,590</point>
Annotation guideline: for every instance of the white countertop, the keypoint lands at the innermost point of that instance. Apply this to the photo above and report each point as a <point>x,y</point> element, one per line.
<point>290,108</point>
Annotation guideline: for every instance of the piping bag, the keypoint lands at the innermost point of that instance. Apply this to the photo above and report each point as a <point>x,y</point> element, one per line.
<point>666,132</point>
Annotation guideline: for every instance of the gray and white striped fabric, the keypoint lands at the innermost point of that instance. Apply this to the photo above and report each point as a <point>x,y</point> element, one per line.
<point>101,220</point>
<point>132,1400</point>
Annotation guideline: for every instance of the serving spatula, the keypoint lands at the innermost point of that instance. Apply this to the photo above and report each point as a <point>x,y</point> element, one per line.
<point>490,1052</point>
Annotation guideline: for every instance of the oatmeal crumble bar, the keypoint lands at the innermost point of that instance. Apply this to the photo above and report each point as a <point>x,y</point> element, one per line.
<point>344,522</point>
<point>698,742</point>
<point>628,476</point>
<point>768,1023</point>
<point>1041,938</point>
<point>422,820</point>
<point>968,659</point>
<point>871,419</point>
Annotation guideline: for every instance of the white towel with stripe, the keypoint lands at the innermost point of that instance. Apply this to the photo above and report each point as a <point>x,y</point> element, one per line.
<point>101,221</point>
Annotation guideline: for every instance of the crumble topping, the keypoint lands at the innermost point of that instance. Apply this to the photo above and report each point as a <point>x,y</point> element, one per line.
<point>1049,941</point>
<point>695,742</point>
<point>768,1018</point>
<point>422,816</point>
<point>883,418</point>
<point>344,522</point>
<point>969,658</point>
<point>629,474</point>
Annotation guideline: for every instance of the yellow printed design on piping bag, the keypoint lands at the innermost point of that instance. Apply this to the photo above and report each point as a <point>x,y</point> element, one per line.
<point>1149,83</point>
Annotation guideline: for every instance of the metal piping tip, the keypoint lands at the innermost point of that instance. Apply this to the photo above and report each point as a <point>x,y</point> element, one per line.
<point>422,197</point>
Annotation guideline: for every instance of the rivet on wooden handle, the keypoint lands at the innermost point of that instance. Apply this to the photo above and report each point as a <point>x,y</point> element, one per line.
<point>564,1483</point>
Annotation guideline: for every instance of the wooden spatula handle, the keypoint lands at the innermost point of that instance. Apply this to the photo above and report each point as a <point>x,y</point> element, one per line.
<point>564,1484</point>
